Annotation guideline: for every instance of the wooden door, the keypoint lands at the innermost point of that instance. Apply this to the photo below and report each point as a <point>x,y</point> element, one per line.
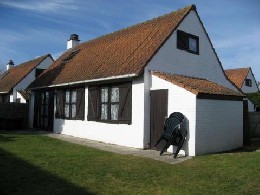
<point>44,110</point>
<point>159,111</point>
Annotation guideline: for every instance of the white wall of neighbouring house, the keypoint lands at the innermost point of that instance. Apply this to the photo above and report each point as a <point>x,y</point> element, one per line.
<point>253,88</point>
<point>169,59</point>
<point>251,106</point>
<point>180,100</point>
<point>121,134</point>
<point>219,125</point>
<point>19,96</point>
<point>24,83</point>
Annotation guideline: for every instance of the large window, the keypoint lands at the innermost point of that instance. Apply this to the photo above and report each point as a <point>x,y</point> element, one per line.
<point>70,104</point>
<point>110,103</point>
<point>187,42</point>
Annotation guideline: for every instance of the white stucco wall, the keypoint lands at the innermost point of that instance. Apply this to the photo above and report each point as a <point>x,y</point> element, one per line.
<point>247,89</point>
<point>23,84</point>
<point>120,134</point>
<point>205,65</point>
<point>219,125</point>
<point>180,100</point>
<point>22,100</point>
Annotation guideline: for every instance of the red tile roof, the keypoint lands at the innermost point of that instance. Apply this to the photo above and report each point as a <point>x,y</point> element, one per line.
<point>196,85</point>
<point>123,52</point>
<point>13,76</point>
<point>237,76</point>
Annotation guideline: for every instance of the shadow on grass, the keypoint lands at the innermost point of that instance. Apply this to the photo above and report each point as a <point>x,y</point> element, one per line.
<point>20,177</point>
<point>255,145</point>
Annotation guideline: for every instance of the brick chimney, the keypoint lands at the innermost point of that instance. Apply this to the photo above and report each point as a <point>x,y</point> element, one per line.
<point>73,41</point>
<point>10,65</point>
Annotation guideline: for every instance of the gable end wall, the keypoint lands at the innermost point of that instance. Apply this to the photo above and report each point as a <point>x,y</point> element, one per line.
<point>205,65</point>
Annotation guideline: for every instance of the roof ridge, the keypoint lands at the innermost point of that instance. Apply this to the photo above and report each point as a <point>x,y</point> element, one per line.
<point>190,7</point>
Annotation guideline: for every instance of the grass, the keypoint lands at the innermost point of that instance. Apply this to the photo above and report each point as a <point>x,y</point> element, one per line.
<point>35,164</point>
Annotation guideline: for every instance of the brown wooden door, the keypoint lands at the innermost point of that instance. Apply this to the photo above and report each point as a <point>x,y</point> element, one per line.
<point>159,111</point>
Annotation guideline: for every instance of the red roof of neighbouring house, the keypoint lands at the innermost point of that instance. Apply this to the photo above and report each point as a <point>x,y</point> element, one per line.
<point>196,85</point>
<point>16,74</point>
<point>124,52</point>
<point>237,76</point>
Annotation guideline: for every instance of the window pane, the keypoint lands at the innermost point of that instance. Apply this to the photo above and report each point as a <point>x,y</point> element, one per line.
<point>42,98</point>
<point>74,97</point>
<point>47,98</point>
<point>67,110</point>
<point>46,110</point>
<point>104,95</point>
<point>114,111</point>
<point>104,112</point>
<point>45,122</point>
<point>115,94</point>
<point>193,44</point>
<point>73,112</point>
<point>67,96</point>
<point>42,110</point>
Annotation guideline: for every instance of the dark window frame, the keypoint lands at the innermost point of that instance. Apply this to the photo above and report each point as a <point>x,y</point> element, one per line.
<point>183,43</point>
<point>38,72</point>
<point>70,103</point>
<point>109,103</point>
<point>62,115</point>
<point>124,103</point>
<point>248,82</point>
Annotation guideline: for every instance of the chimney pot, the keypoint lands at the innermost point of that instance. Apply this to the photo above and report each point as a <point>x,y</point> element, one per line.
<point>73,41</point>
<point>10,65</point>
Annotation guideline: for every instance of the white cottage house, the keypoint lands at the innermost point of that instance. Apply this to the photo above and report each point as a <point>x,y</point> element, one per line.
<point>16,79</point>
<point>118,88</point>
<point>244,80</point>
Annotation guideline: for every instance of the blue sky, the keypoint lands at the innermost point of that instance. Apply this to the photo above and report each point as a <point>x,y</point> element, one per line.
<point>31,28</point>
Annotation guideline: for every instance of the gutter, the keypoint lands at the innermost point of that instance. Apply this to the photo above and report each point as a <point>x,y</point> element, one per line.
<point>4,92</point>
<point>89,81</point>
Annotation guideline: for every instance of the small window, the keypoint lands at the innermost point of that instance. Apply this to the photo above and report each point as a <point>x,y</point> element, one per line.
<point>248,82</point>
<point>38,71</point>
<point>187,42</point>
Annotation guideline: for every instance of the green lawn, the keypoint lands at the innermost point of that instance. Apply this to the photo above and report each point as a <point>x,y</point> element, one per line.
<point>35,164</point>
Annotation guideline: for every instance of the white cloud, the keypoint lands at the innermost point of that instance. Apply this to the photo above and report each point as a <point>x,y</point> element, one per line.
<point>41,6</point>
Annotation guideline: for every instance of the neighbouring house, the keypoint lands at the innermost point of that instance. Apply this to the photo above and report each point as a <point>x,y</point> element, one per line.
<point>118,88</point>
<point>16,79</point>
<point>244,80</point>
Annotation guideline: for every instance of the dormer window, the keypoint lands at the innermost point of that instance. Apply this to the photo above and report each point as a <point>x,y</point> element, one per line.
<point>187,42</point>
<point>248,82</point>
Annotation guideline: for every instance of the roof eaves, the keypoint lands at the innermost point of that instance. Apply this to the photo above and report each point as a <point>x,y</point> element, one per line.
<point>87,81</point>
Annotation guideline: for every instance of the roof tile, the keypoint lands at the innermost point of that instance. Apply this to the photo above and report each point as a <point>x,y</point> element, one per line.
<point>197,85</point>
<point>237,76</point>
<point>120,53</point>
<point>13,76</point>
